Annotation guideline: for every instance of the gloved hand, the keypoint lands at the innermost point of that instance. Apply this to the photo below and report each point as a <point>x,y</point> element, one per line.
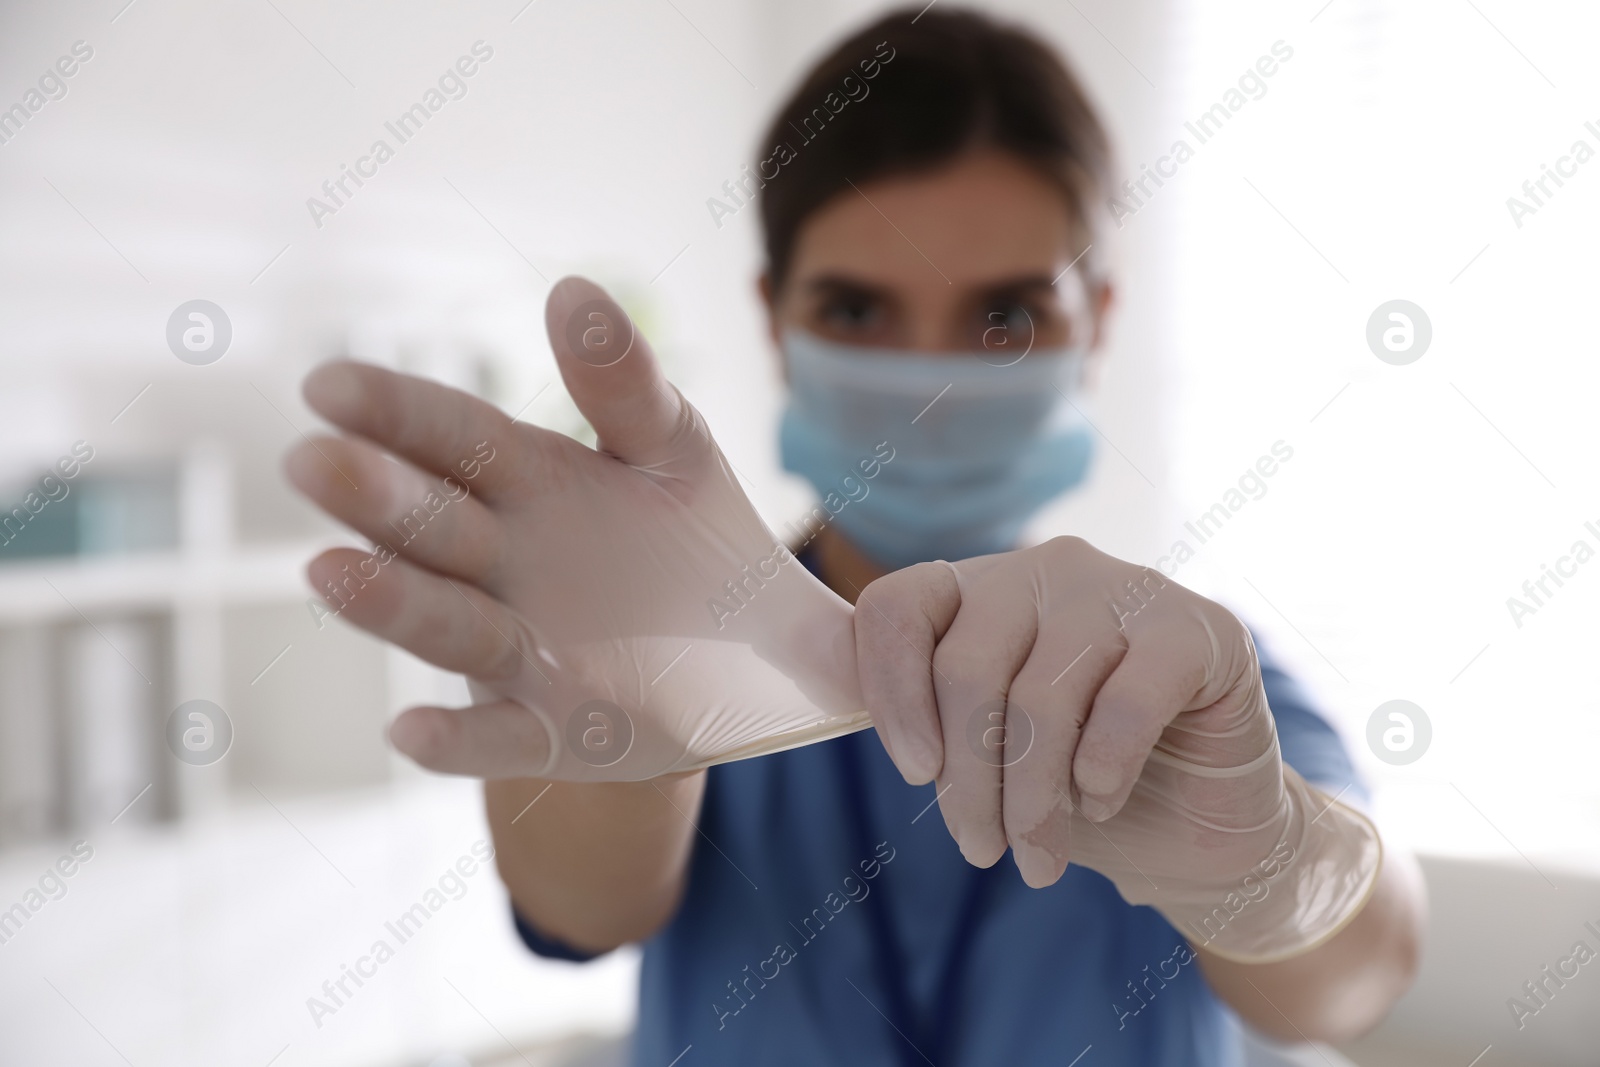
<point>1077,707</point>
<point>620,613</point>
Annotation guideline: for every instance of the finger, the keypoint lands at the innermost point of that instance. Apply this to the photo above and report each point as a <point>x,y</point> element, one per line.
<point>499,739</point>
<point>973,666</point>
<point>450,624</point>
<point>1046,706</point>
<point>437,523</point>
<point>899,619</point>
<point>1165,669</point>
<point>616,381</point>
<point>437,428</point>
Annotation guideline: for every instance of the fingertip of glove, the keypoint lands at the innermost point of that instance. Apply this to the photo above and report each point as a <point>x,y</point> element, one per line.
<point>419,733</point>
<point>1039,869</point>
<point>918,765</point>
<point>1094,809</point>
<point>334,390</point>
<point>572,285</point>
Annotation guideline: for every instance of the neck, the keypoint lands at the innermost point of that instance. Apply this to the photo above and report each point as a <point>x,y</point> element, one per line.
<point>842,566</point>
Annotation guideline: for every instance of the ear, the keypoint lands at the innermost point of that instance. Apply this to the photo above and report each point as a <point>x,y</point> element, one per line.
<point>1104,299</point>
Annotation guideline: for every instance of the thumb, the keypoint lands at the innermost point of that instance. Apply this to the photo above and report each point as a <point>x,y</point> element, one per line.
<point>899,621</point>
<point>613,375</point>
<point>496,739</point>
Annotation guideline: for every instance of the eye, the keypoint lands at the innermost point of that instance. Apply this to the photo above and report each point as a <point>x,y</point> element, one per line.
<point>1008,323</point>
<point>1015,318</point>
<point>850,311</point>
<point>1024,322</point>
<point>852,315</point>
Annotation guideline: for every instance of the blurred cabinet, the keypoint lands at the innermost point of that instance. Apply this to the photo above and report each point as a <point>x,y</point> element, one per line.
<point>110,712</point>
<point>30,752</point>
<point>136,598</point>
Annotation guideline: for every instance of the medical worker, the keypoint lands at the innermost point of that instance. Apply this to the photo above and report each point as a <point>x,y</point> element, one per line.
<point>1186,840</point>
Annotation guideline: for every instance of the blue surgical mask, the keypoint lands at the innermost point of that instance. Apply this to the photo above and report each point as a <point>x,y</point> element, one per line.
<point>920,456</point>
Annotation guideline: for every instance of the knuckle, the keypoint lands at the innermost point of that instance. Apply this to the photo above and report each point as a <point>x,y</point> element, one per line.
<point>958,661</point>
<point>895,588</point>
<point>1230,625</point>
<point>897,601</point>
<point>1067,543</point>
<point>1066,548</point>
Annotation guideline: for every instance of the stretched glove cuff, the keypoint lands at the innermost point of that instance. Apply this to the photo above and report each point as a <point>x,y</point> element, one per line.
<point>1314,882</point>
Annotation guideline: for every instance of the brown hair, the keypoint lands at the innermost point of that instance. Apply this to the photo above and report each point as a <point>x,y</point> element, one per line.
<point>912,91</point>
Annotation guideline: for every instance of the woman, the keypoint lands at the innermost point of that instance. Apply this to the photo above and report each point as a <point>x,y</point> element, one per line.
<point>930,212</point>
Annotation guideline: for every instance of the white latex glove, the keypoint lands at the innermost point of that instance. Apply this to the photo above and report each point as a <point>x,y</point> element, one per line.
<point>576,588</point>
<point>1077,707</point>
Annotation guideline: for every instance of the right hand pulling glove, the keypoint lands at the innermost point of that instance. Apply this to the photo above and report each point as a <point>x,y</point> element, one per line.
<point>1076,707</point>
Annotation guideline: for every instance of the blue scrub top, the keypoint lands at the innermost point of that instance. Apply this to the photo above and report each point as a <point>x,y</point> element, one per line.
<point>830,918</point>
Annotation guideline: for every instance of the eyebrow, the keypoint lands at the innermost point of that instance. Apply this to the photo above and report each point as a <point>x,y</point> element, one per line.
<point>836,282</point>
<point>1001,287</point>
<point>1019,284</point>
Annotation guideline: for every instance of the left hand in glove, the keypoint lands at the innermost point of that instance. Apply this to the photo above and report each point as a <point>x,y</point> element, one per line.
<point>621,612</point>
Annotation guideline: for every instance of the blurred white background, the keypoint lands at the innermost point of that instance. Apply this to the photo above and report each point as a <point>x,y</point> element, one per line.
<point>1375,166</point>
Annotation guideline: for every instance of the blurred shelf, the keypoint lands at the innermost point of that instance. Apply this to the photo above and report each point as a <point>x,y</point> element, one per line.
<point>47,590</point>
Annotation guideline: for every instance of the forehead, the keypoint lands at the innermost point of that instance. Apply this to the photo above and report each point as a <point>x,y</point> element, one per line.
<point>982,218</point>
